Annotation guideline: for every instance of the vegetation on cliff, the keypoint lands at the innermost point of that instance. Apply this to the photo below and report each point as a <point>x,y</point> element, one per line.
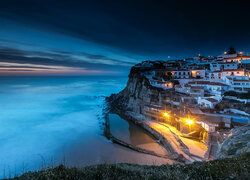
<point>235,168</point>
<point>237,143</point>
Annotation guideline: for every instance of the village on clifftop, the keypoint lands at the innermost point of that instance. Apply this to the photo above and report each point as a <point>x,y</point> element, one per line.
<point>214,94</point>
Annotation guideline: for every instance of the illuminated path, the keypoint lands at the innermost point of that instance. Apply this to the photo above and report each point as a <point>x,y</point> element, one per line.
<point>190,149</point>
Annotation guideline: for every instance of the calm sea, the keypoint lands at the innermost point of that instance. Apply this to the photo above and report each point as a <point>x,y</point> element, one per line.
<point>45,121</point>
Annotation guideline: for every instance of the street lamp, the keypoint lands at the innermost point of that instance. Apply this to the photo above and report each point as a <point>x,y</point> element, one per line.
<point>166,115</point>
<point>189,122</point>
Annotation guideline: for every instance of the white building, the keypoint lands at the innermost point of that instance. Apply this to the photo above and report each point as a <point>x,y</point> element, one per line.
<point>238,59</point>
<point>219,75</point>
<point>161,84</point>
<point>188,74</point>
<point>181,74</point>
<point>238,83</point>
<point>208,126</point>
<point>194,91</point>
<point>217,66</point>
<point>215,88</point>
<point>198,73</point>
<point>207,103</point>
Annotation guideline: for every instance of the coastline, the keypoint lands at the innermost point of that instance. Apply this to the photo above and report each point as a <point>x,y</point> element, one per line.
<point>178,156</point>
<point>128,104</point>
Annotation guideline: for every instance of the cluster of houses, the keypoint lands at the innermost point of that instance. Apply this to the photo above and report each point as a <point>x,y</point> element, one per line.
<point>202,81</point>
<point>205,78</point>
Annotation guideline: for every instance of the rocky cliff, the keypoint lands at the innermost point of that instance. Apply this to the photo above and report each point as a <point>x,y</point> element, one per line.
<point>237,142</point>
<point>137,93</point>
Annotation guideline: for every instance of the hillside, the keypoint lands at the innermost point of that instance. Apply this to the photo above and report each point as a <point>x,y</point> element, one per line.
<point>235,168</point>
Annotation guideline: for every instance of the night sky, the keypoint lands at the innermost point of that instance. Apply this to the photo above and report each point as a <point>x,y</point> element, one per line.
<point>90,37</point>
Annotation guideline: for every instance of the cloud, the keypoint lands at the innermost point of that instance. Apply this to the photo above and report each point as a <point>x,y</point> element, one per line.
<point>16,70</point>
<point>26,67</point>
<point>55,60</point>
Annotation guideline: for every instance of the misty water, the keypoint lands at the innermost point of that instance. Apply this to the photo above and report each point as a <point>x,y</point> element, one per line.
<point>45,121</point>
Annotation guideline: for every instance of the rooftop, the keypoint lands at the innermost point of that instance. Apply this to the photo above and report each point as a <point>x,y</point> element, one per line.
<point>208,83</point>
<point>212,100</point>
<point>197,87</point>
<point>228,70</point>
<point>239,57</point>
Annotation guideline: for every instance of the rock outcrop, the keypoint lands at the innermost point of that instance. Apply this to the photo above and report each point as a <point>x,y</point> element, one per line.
<point>137,93</point>
<point>238,142</point>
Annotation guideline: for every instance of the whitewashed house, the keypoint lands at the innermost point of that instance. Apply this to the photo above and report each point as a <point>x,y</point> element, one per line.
<point>219,75</point>
<point>198,73</point>
<point>217,66</point>
<point>181,74</point>
<point>194,91</point>
<point>161,84</point>
<point>209,127</point>
<point>215,88</point>
<point>238,59</point>
<point>207,103</point>
<point>238,83</point>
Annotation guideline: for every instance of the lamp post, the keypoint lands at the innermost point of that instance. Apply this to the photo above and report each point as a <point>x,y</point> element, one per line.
<point>189,122</point>
<point>166,115</point>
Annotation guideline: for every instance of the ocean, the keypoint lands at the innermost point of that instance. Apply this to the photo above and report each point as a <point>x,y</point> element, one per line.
<point>46,121</point>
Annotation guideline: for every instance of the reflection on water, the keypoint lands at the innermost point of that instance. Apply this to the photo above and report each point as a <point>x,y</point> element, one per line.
<point>128,131</point>
<point>133,134</point>
<point>50,120</point>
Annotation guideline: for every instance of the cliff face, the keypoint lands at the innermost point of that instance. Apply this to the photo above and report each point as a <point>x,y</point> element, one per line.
<point>237,143</point>
<point>137,93</point>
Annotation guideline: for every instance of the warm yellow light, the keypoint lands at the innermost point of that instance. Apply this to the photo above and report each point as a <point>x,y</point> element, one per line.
<point>166,114</point>
<point>189,121</point>
<point>225,52</point>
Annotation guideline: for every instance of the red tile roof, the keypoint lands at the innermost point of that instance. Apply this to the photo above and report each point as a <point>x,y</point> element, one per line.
<point>241,80</point>
<point>228,70</point>
<point>197,87</point>
<point>208,83</point>
<point>212,100</point>
<point>199,82</point>
<point>217,84</point>
<point>241,57</point>
<point>233,70</point>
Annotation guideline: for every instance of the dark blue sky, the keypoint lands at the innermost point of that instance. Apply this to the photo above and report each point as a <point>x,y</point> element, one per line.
<point>108,37</point>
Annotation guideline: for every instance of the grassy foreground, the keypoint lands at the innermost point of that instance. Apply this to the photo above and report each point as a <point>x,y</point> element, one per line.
<point>234,168</point>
